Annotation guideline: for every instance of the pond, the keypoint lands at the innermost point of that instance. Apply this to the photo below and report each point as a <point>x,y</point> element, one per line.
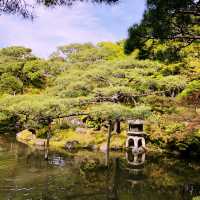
<point>26,175</point>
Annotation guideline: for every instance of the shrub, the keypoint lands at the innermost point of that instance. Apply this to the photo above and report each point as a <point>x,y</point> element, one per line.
<point>174,69</point>
<point>191,94</point>
<point>108,111</point>
<point>174,127</point>
<point>191,88</point>
<point>10,84</point>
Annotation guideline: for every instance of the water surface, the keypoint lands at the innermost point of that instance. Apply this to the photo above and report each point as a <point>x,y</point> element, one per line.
<point>26,175</point>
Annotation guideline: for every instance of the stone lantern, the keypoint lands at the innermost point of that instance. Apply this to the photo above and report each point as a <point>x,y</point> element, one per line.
<point>135,159</point>
<point>136,136</point>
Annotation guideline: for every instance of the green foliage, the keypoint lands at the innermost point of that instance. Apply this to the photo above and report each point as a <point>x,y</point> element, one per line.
<point>191,94</point>
<point>10,84</point>
<point>16,52</point>
<point>190,144</point>
<point>88,53</point>
<point>103,84</point>
<point>108,111</point>
<point>3,116</point>
<point>112,50</point>
<point>93,123</point>
<point>175,20</point>
<point>172,85</point>
<point>13,67</point>
<point>167,52</point>
<point>173,127</point>
<point>23,71</point>
<point>161,104</point>
<point>191,88</point>
<point>36,72</point>
<point>42,133</point>
<point>34,110</point>
<point>110,91</point>
<point>196,198</point>
<point>173,69</point>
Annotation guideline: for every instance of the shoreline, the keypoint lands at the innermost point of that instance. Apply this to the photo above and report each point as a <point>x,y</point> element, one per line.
<point>69,144</point>
<point>30,139</point>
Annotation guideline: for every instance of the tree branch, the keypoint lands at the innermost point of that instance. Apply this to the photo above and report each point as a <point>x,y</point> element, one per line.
<point>189,12</point>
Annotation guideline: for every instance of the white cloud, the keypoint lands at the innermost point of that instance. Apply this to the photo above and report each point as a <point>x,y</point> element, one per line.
<point>54,27</point>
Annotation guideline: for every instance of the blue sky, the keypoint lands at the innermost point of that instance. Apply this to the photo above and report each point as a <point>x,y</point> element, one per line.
<point>84,22</point>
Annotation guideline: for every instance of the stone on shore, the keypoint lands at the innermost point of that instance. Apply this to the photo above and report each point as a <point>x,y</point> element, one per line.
<point>81,130</point>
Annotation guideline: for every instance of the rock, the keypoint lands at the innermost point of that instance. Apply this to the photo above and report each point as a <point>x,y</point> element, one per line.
<point>119,75</point>
<point>76,122</point>
<point>176,153</point>
<point>73,121</point>
<point>25,136</point>
<point>103,147</point>
<point>90,147</point>
<point>70,145</point>
<point>81,130</point>
<point>116,148</point>
<point>40,142</point>
<point>94,147</point>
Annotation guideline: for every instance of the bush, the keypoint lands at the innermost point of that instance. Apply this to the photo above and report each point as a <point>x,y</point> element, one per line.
<point>108,111</point>
<point>171,85</point>
<point>35,72</point>
<point>174,69</point>
<point>174,127</point>
<point>10,84</point>
<point>191,88</point>
<point>161,104</point>
<point>191,94</point>
<point>42,133</point>
<point>33,111</point>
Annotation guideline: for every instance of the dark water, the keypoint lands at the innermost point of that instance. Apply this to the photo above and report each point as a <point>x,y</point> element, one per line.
<point>25,174</point>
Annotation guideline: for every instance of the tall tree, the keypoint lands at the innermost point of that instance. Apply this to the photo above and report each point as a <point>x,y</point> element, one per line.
<point>25,8</point>
<point>166,20</point>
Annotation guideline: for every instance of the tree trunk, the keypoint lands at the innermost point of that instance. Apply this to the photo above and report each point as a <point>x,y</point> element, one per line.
<point>48,138</point>
<point>49,132</point>
<point>117,128</point>
<point>108,142</point>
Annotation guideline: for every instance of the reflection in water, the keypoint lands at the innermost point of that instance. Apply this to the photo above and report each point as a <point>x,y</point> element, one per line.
<point>191,190</point>
<point>25,174</point>
<point>46,153</point>
<point>135,168</point>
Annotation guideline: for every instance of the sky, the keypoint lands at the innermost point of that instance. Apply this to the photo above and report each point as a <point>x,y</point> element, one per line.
<point>83,22</point>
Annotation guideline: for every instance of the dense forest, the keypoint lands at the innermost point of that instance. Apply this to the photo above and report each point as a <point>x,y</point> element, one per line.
<point>91,86</point>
